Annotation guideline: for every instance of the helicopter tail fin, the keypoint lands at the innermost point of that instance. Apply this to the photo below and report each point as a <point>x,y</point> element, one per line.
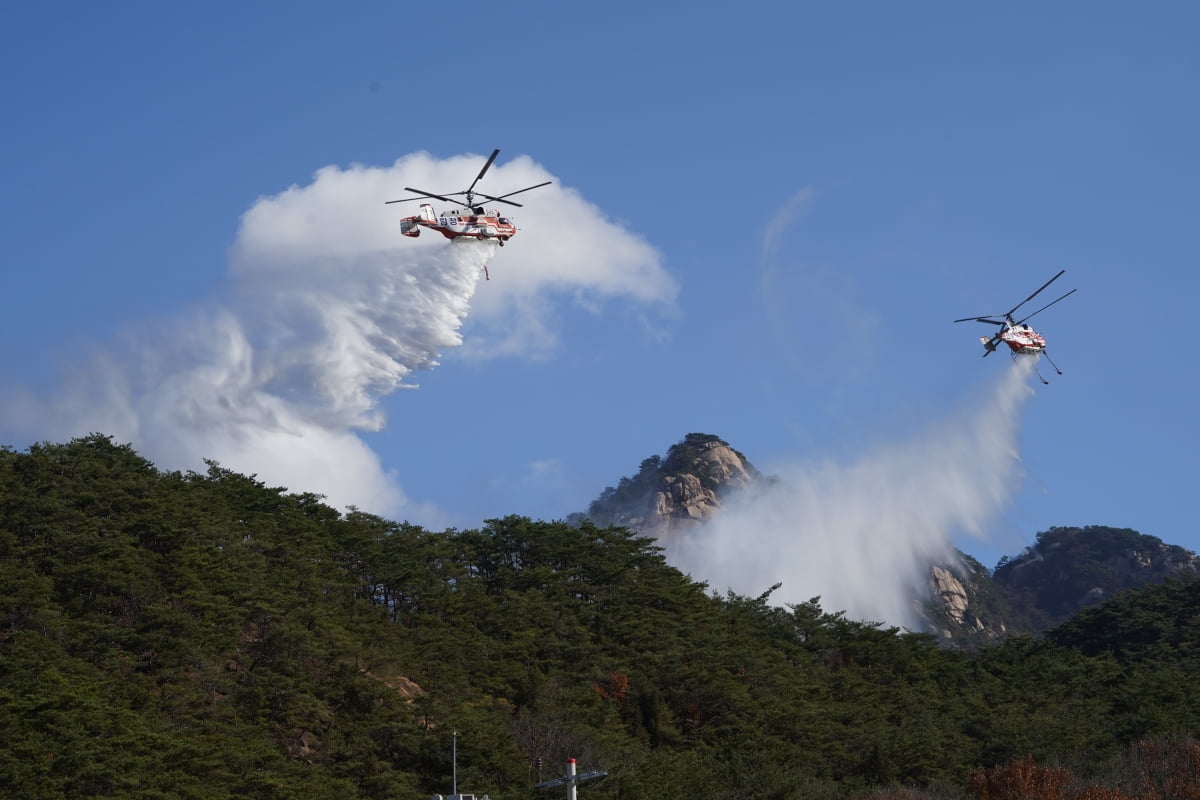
<point>411,226</point>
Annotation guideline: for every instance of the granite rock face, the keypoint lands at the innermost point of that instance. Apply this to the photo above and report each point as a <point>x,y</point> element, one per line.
<point>670,496</point>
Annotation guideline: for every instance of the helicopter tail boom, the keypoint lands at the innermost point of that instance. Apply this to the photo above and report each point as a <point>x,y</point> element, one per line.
<point>411,226</point>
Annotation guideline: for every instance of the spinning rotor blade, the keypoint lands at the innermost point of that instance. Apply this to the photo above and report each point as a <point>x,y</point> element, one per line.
<point>988,320</point>
<point>1052,302</point>
<point>491,158</point>
<point>501,199</point>
<point>470,192</point>
<point>420,192</point>
<point>1035,294</point>
<point>526,189</point>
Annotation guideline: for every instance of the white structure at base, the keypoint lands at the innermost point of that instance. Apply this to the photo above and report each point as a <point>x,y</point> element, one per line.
<point>570,779</point>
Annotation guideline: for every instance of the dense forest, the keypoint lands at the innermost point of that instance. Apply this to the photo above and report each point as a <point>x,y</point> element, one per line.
<point>186,635</point>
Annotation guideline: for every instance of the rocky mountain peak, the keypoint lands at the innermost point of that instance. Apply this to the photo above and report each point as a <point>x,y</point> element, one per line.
<point>671,495</point>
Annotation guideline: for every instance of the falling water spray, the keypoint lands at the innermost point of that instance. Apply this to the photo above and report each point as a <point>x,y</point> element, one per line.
<point>861,535</point>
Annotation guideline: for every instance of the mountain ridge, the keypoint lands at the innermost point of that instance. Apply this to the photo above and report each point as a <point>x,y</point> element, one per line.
<point>966,604</point>
<point>206,636</point>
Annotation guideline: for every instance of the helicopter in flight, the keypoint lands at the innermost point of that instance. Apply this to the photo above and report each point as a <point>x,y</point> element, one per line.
<point>1020,338</point>
<point>474,221</point>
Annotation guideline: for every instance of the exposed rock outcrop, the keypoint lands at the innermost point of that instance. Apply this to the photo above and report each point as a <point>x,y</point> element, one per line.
<point>672,495</point>
<point>958,608</point>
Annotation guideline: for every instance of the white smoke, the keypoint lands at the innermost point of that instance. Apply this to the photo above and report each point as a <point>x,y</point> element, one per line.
<point>328,310</point>
<point>861,535</point>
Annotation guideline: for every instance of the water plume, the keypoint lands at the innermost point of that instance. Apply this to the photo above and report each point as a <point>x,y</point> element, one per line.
<point>861,535</point>
<point>328,309</point>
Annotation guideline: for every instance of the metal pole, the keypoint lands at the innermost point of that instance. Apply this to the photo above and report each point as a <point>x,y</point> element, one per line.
<point>454,761</point>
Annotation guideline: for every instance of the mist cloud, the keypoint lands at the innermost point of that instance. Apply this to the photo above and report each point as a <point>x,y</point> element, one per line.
<point>328,309</point>
<point>861,534</point>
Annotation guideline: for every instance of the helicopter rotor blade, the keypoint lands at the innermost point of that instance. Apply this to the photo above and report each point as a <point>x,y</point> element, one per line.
<point>526,189</point>
<point>479,177</point>
<point>498,199</point>
<point>1052,302</point>
<point>501,199</point>
<point>447,198</point>
<point>470,192</point>
<point>424,194</point>
<point>1035,294</point>
<point>988,320</point>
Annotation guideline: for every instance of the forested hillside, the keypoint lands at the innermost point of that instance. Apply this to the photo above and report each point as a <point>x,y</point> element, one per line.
<point>1069,569</point>
<point>208,636</point>
<point>964,603</point>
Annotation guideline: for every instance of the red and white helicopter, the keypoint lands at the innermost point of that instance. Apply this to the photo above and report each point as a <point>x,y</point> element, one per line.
<point>476,222</point>
<point>1021,339</point>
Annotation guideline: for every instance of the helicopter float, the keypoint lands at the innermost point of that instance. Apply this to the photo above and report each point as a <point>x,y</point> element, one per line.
<point>1021,339</point>
<point>476,222</point>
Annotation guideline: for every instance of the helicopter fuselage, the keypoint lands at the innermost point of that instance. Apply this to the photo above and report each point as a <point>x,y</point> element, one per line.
<point>475,223</point>
<point>1021,340</point>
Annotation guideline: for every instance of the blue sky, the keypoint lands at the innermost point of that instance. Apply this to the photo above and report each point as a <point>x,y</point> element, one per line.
<point>761,226</point>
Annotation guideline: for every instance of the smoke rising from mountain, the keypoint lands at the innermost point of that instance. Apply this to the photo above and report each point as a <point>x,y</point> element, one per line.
<point>327,310</point>
<point>861,535</point>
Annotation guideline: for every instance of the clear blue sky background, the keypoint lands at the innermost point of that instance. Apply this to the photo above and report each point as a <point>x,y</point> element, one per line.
<point>922,162</point>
